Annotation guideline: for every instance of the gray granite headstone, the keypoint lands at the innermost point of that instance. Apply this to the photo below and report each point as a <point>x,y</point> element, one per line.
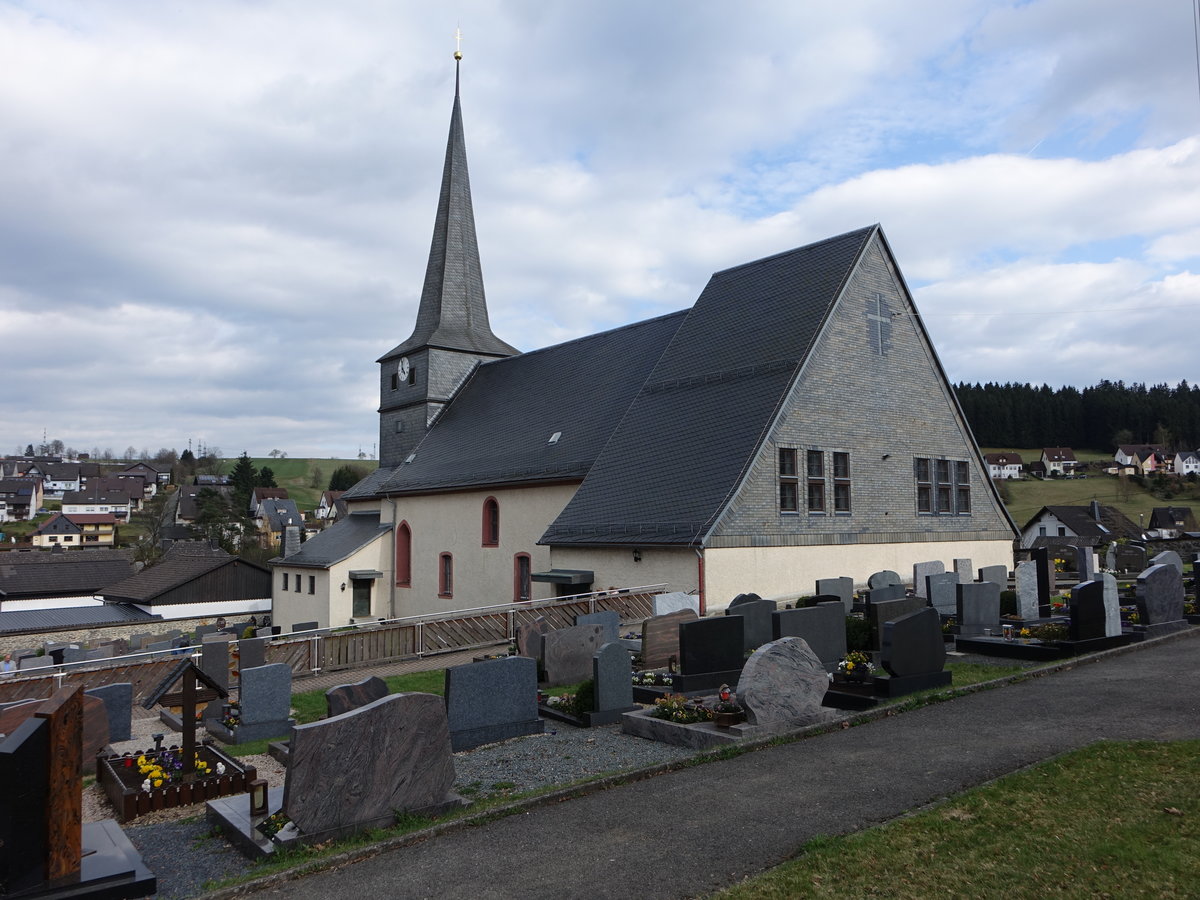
<point>265,700</point>
<point>305,626</point>
<point>842,588</point>
<point>965,569</point>
<point>252,653</point>
<point>921,570</point>
<point>345,697</point>
<point>1167,558</point>
<point>529,637</point>
<point>567,653</point>
<point>942,591</point>
<point>887,592</point>
<point>823,628</point>
<point>913,644</point>
<point>202,630</point>
<point>886,610</point>
<point>359,769</point>
<point>660,638</point>
<point>1085,563</point>
<point>35,662</point>
<point>1027,590</point>
<point>1130,558</point>
<point>159,645</point>
<point>744,598</point>
<point>496,699</point>
<point>782,683</point>
<point>118,704</point>
<point>136,641</point>
<point>214,659</point>
<point>978,608</point>
<point>757,616</point>
<point>995,574</point>
<point>99,653</point>
<point>1159,593</point>
<point>73,654</point>
<point>1112,604</point>
<point>611,676</point>
<point>674,601</point>
<point>883,579</point>
<point>610,620</point>
<point>1110,558</point>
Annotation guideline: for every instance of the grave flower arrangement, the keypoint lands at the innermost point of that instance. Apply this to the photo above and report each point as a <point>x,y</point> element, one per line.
<point>679,709</point>
<point>232,719</point>
<point>653,679</point>
<point>166,767</point>
<point>856,666</point>
<point>273,824</point>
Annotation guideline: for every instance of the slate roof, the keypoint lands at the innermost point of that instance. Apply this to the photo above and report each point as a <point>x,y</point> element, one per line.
<point>59,524</point>
<point>697,422</point>
<point>1004,459</point>
<point>335,544</point>
<point>70,619</point>
<point>497,428</point>
<point>185,561</point>
<point>1059,454</point>
<point>47,574</point>
<point>1113,523</point>
<point>279,513</point>
<point>1172,517</point>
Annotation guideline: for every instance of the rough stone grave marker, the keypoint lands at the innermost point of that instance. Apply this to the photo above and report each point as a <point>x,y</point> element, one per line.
<point>494,700</point>
<point>345,697</point>
<point>783,683</point>
<point>1027,590</point>
<point>529,637</point>
<point>965,569</point>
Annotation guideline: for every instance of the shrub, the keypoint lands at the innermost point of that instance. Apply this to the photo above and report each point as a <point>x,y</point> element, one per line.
<point>858,633</point>
<point>1008,603</point>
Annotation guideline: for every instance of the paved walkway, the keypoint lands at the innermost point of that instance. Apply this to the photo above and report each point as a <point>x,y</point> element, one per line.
<point>690,832</point>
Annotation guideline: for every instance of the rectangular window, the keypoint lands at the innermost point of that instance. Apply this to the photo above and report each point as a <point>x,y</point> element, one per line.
<point>841,483</point>
<point>943,486</point>
<point>285,581</point>
<point>789,482</point>
<point>962,488</point>
<point>815,467</point>
<point>361,593</point>
<point>312,584</point>
<point>446,575</point>
<point>924,478</point>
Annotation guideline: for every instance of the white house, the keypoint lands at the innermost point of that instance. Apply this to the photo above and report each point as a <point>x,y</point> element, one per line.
<point>1004,465</point>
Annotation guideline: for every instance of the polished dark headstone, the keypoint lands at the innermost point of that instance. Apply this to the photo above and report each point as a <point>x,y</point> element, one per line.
<point>345,697</point>
<point>252,653</point>
<point>913,645</point>
<point>823,628</point>
<point>878,614</point>
<point>942,591</point>
<point>885,593</point>
<point>712,645</point>
<point>977,608</point>
<point>757,616</point>
<point>1159,593</point>
<point>1087,611</point>
<point>1045,578</point>
<point>744,598</point>
<point>660,638</point>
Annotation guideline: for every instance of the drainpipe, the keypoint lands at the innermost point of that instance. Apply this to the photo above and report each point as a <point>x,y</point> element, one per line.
<point>392,581</point>
<point>700,579</point>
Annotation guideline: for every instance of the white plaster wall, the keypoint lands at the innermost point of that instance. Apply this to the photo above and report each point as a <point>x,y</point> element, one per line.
<point>793,571</point>
<point>614,567</point>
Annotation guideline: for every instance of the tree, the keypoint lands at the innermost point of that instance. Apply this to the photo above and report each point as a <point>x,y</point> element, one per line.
<point>244,479</point>
<point>29,449</point>
<point>345,477</point>
<point>1123,437</point>
<point>274,454</point>
<point>265,478</point>
<point>317,479</point>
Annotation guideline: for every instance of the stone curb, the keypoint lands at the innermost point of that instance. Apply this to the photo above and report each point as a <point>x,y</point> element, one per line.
<point>700,758</point>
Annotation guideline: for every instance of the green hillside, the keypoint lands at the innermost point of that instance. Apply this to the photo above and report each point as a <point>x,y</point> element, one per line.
<point>305,479</point>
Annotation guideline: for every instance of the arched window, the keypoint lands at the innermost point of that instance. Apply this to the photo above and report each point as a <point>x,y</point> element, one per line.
<point>491,522</point>
<point>403,555</point>
<point>522,578</point>
<point>446,575</point>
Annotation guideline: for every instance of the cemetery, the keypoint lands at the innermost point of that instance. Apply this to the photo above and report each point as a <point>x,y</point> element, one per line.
<point>660,689</point>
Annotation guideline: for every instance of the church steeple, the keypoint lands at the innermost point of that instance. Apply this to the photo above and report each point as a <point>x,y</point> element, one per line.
<point>452,332</point>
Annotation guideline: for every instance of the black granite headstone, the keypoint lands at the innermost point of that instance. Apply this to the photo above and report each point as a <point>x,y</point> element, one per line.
<point>744,598</point>
<point>879,613</point>
<point>757,615</point>
<point>1045,578</point>
<point>883,594</point>
<point>913,644</point>
<point>24,785</point>
<point>1087,611</point>
<point>823,628</point>
<point>712,645</point>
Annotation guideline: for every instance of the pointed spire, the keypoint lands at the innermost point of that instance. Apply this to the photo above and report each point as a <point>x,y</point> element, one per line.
<point>453,312</point>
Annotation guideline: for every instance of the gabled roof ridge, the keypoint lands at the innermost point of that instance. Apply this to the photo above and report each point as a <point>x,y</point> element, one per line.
<point>793,250</point>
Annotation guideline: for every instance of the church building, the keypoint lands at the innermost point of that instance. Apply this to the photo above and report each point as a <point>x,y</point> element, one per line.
<point>794,424</point>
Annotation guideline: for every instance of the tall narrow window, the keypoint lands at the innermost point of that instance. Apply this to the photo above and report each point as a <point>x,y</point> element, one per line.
<point>522,578</point>
<point>789,482</point>
<point>312,584</point>
<point>841,483</point>
<point>285,580</point>
<point>403,555</point>
<point>361,594</point>
<point>816,481</point>
<point>944,490</point>
<point>962,488</point>
<point>446,575</point>
<point>491,522</point>
<point>924,475</point>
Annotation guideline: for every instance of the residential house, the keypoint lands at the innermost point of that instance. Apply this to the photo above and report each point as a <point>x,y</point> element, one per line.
<point>94,499</point>
<point>1186,462</point>
<point>1004,465</point>
<point>61,478</point>
<point>1140,459</point>
<point>275,515</point>
<point>211,480</point>
<point>22,497</point>
<point>259,494</point>
<point>52,579</point>
<point>327,507</point>
<point>1078,526</point>
<point>136,486</point>
<point>57,530</point>
<point>1172,521</point>
<point>1059,460</point>
<point>156,474</point>
<point>755,442</point>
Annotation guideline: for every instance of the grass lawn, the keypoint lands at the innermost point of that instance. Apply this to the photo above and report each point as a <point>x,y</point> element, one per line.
<point>1111,820</point>
<point>297,475</point>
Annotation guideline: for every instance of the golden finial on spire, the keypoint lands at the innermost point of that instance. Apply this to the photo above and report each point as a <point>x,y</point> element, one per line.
<point>458,43</point>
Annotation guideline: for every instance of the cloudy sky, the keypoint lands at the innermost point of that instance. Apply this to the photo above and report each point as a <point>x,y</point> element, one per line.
<point>215,216</point>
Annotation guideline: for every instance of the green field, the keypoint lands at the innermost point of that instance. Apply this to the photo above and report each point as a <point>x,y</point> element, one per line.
<point>297,475</point>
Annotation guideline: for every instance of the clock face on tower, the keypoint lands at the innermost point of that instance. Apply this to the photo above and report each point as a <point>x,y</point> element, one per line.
<point>403,369</point>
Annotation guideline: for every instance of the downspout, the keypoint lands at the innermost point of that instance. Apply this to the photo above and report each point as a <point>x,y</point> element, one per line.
<point>392,580</point>
<point>700,578</point>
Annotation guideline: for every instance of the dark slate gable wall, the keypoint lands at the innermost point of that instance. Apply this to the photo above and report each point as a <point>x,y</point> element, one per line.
<point>850,398</point>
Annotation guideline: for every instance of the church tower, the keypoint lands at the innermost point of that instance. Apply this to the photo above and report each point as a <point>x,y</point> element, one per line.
<point>452,334</point>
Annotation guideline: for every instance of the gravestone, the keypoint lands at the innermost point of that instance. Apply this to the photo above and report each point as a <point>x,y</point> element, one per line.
<point>1110,558</point>
<point>923,569</point>
<point>94,732</point>
<point>362,768</point>
<point>995,574</point>
<point>264,704</point>
<point>567,653</point>
<point>74,654</point>
<point>99,653</point>
<point>35,662</point>
<point>965,569</point>
<point>202,630</point>
<point>1085,563</point>
<point>842,588</point>
<point>757,615</point>
<point>883,579</point>
<point>674,601</point>
<point>214,658</point>
<point>878,614</point>
<point>888,592</point>
<point>305,626</point>
<point>660,638</point>
<point>1087,612</point>
<point>1044,567</point>
<point>1130,558</point>
<point>822,627</point>
<point>168,644</point>
<point>1027,591</point>
<point>118,709</point>
<point>744,598</point>
<point>496,699</point>
<point>252,653</point>
<point>137,641</point>
<point>978,608</point>
<point>802,602</point>
<point>914,654</point>
<point>711,652</point>
<point>942,591</point>
<point>267,631</point>
<point>612,685</point>
<point>783,683</point>
<point>345,697</point>
<point>529,637</point>
<point>1112,604</point>
<point>1168,558</point>
<point>609,620</point>
<point>1159,593</point>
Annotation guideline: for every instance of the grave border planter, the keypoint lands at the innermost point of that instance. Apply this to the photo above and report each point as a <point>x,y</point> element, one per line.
<point>131,802</point>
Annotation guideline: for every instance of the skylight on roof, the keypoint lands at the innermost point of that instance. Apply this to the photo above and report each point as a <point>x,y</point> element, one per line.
<point>554,437</point>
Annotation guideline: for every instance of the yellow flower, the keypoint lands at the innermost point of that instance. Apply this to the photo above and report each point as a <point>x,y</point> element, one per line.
<point>157,782</point>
